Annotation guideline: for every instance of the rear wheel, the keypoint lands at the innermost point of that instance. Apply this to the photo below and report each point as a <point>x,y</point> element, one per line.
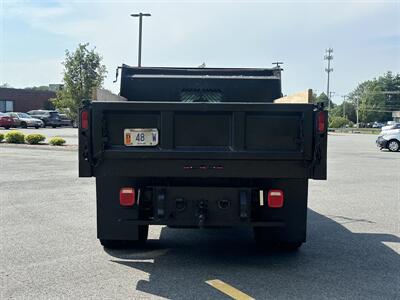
<point>54,126</point>
<point>262,236</point>
<point>7,127</point>
<point>393,145</point>
<point>143,231</point>
<point>37,127</point>
<point>24,125</point>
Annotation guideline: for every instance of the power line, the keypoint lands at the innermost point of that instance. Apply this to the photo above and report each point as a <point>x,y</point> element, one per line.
<point>383,92</point>
<point>376,110</point>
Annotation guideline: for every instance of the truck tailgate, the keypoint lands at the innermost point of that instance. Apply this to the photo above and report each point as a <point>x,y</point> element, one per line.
<point>204,139</point>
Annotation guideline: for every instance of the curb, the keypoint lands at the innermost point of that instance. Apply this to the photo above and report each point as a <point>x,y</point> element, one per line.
<point>41,147</point>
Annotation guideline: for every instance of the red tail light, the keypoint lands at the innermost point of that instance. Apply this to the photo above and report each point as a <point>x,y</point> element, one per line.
<point>127,196</point>
<point>275,198</point>
<point>321,122</point>
<point>84,119</point>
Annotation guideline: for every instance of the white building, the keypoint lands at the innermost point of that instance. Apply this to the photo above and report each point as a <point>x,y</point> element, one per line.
<point>396,116</point>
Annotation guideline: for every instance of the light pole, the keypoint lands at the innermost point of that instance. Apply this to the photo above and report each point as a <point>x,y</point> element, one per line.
<point>140,16</point>
<point>328,56</point>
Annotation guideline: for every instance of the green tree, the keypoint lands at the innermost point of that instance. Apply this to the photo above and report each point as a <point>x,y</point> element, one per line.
<point>339,122</point>
<point>323,98</point>
<point>377,98</point>
<point>348,112</point>
<point>83,73</point>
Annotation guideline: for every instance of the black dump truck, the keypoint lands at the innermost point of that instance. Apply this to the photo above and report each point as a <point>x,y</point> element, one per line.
<point>202,148</point>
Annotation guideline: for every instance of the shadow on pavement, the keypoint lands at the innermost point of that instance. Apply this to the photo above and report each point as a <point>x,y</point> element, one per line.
<point>334,263</point>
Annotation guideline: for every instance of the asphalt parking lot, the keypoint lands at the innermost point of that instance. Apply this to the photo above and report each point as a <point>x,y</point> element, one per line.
<point>49,247</point>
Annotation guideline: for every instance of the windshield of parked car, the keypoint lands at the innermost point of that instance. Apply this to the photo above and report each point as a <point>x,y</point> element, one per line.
<point>24,115</point>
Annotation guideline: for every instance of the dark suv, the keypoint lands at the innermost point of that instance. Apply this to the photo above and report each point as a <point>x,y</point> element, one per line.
<point>49,117</point>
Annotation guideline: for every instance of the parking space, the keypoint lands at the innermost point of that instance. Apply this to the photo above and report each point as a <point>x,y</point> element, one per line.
<point>49,247</point>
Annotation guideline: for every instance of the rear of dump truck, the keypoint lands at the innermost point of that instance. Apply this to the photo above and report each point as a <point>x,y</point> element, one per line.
<point>201,148</point>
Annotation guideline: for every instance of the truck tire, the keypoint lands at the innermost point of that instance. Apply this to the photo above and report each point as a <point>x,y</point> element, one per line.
<point>120,244</point>
<point>262,236</point>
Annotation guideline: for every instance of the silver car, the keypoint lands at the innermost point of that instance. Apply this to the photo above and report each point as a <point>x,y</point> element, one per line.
<point>389,139</point>
<point>24,120</point>
<point>391,126</point>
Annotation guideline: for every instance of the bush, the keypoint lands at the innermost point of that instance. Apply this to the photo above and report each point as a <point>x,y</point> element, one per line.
<point>15,137</point>
<point>57,141</point>
<point>34,138</point>
<point>339,122</point>
<point>1,137</point>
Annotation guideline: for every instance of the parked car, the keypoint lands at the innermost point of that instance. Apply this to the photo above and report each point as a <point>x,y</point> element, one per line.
<point>378,125</point>
<point>390,127</point>
<point>49,117</point>
<point>389,139</point>
<point>24,120</point>
<point>6,121</point>
<point>65,121</point>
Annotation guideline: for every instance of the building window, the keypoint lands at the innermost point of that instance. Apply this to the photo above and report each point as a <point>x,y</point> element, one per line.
<point>6,105</point>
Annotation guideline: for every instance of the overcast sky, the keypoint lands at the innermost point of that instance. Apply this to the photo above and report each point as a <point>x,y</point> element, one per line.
<point>365,37</point>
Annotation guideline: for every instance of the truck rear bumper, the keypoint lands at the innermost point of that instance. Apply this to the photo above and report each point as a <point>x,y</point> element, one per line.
<point>196,206</point>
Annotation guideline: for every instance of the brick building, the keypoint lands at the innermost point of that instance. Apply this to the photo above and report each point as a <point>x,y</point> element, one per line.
<point>23,100</point>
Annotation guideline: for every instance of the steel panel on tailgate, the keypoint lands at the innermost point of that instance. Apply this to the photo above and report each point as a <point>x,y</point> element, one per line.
<point>205,131</point>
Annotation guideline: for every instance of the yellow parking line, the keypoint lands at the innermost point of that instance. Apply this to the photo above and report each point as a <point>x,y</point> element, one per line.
<point>228,290</point>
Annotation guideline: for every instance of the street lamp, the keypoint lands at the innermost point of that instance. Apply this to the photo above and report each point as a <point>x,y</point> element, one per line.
<point>140,15</point>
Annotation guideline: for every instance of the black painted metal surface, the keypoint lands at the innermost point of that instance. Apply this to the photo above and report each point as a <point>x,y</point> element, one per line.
<point>221,141</point>
<point>200,84</point>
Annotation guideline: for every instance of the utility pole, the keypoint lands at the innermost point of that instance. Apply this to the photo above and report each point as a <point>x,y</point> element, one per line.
<point>344,105</point>
<point>140,16</point>
<point>329,99</point>
<point>357,100</point>
<point>278,64</point>
<point>328,56</point>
